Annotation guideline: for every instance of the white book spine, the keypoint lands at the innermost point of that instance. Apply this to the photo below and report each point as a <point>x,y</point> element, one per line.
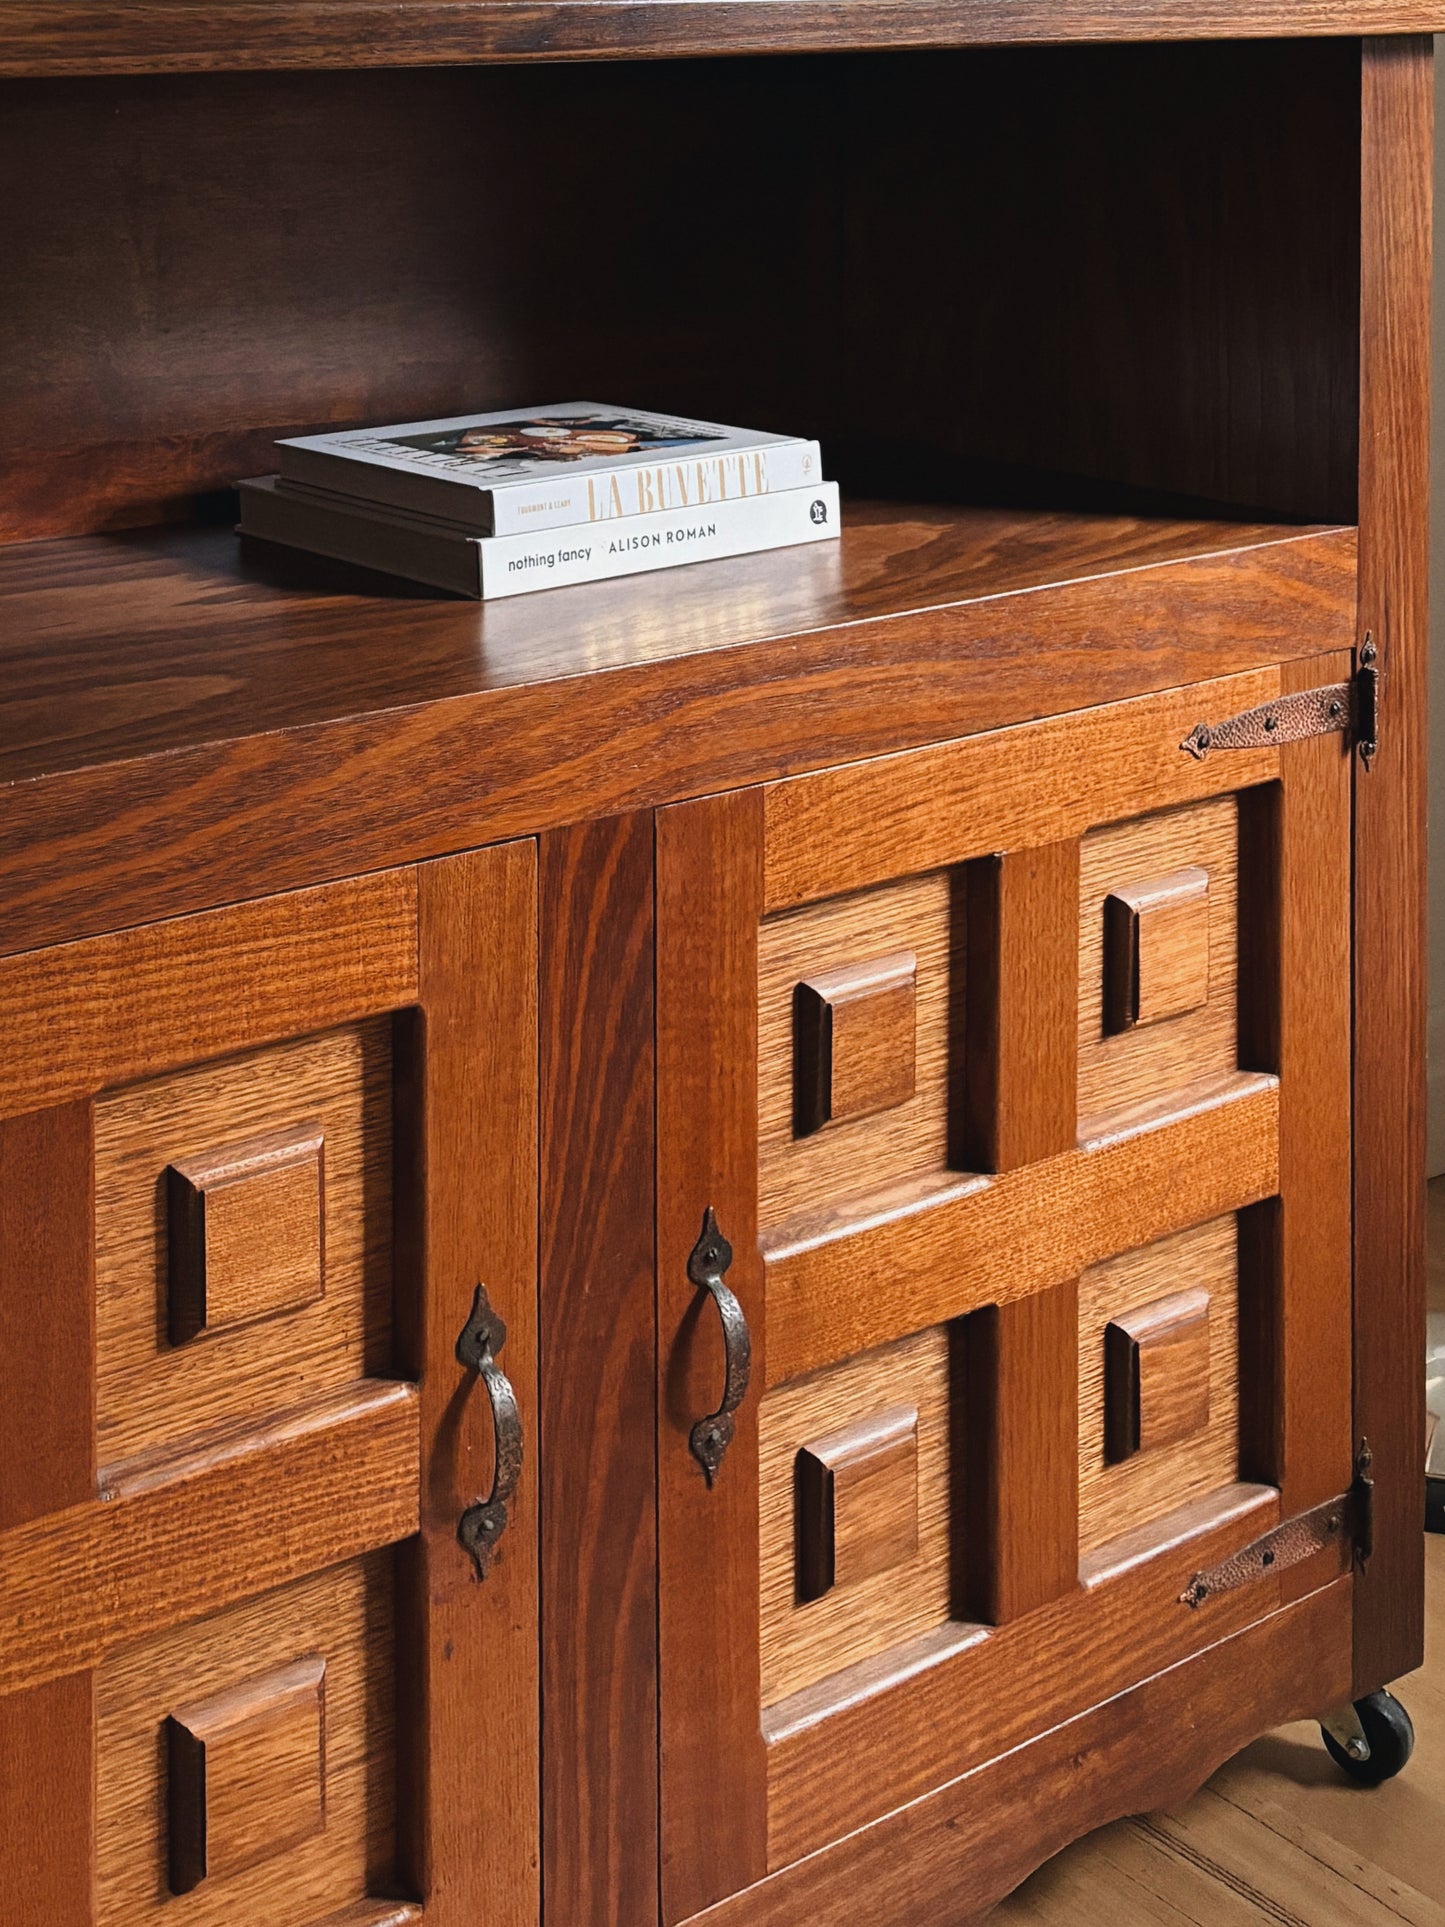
<point>517,564</point>
<point>697,482</point>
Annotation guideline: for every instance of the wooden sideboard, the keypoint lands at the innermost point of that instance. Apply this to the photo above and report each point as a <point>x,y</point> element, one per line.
<point>718,1248</point>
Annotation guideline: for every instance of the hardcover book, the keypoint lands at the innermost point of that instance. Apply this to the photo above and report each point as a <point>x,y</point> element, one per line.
<point>554,467</point>
<point>425,549</point>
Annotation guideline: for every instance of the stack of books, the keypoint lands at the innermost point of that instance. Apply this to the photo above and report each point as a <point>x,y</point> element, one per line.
<point>496,505</point>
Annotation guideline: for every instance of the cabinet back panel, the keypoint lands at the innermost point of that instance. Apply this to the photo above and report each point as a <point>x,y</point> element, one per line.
<point>1007,275</point>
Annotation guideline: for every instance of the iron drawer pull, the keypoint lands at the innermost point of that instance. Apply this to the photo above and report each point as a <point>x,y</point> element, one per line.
<point>709,1259</point>
<point>483,1523</point>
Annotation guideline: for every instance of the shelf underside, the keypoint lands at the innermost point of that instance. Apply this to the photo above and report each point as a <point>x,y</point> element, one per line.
<point>186,721</point>
<point>147,36</point>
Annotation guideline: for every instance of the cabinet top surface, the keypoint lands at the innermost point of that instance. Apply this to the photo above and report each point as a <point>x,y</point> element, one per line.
<point>127,646</point>
<point>82,37</point>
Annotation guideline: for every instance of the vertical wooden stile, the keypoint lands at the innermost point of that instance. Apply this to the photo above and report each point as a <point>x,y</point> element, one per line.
<point>709,897</point>
<point>468,1649</point>
<point>1397,124</point>
<point>47,1463</point>
<point>1020,1010</point>
<point>598,1444</point>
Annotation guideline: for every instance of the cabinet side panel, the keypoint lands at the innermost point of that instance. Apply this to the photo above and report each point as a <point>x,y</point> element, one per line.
<point>599,1749</point>
<point>1389,934</point>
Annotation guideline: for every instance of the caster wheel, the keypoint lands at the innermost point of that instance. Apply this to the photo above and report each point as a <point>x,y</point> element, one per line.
<point>1380,1748</point>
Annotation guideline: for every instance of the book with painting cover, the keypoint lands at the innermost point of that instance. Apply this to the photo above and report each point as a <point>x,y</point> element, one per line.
<point>553,467</point>
<point>428,549</point>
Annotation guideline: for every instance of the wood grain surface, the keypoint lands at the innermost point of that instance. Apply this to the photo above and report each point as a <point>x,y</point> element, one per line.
<point>1120,1625</point>
<point>467,1193</point>
<point>1156,949</point>
<point>1021,1414</point>
<point>1118,1068</point>
<point>77,37</point>
<point>246,1772</point>
<point>1020,1024</point>
<point>846,828</point>
<point>598,1444</point>
<point>245,1231</point>
<point>47,1801</point>
<point>972,1840</point>
<point>173,1538</point>
<point>1389,845</point>
<point>264,1859</point>
<point>47,1314</point>
<point>806,1640</point>
<point>709,905</point>
<point>1156,1373</point>
<point>1310,1339</point>
<point>1114,1498</point>
<point>856,1155</point>
<point>1129,185</point>
<point>150,1389</point>
<point>273,698</point>
<point>1278,1830</point>
<point>151,999</point>
<point>930,1253</point>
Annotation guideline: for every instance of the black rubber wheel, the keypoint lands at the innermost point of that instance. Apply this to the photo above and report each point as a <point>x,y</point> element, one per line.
<point>1390,1734</point>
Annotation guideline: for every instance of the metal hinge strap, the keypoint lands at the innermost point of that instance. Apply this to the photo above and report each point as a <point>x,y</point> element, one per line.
<point>1349,707</point>
<point>1296,1540</point>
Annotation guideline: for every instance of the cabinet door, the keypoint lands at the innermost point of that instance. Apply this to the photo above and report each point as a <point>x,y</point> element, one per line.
<point>1014,1074</point>
<point>255,1164</point>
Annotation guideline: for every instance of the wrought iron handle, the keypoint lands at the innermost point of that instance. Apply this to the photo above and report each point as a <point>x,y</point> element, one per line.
<point>709,1259</point>
<point>483,1523</point>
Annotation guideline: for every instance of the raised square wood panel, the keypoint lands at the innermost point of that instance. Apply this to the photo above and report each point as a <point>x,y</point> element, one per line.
<point>857,1499</point>
<point>1156,948</point>
<point>827,943</point>
<point>1156,1373</point>
<point>854,1041</point>
<point>1178,1300</point>
<point>883,1423</point>
<point>244,1231</point>
<point>248,1133</point>
<point>1121,1065</point>
<point>246,1773</point>
<point>217,1799</point>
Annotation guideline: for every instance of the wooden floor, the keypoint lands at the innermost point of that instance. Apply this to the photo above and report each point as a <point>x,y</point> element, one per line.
<point>1279,1834</point>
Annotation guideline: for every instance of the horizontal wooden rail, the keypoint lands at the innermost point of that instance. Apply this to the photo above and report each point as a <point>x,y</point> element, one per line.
<point>844,829</point>
<point>968,1842</point>
<point>111,1009</point>
<point>180,36</point>
<point>938,1249</point>
<point>174,1538</point>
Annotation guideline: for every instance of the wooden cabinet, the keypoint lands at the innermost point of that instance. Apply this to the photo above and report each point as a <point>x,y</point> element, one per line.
<point>719,1247</point>
<point>1054,1321</point>
<point>256,1163</point>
